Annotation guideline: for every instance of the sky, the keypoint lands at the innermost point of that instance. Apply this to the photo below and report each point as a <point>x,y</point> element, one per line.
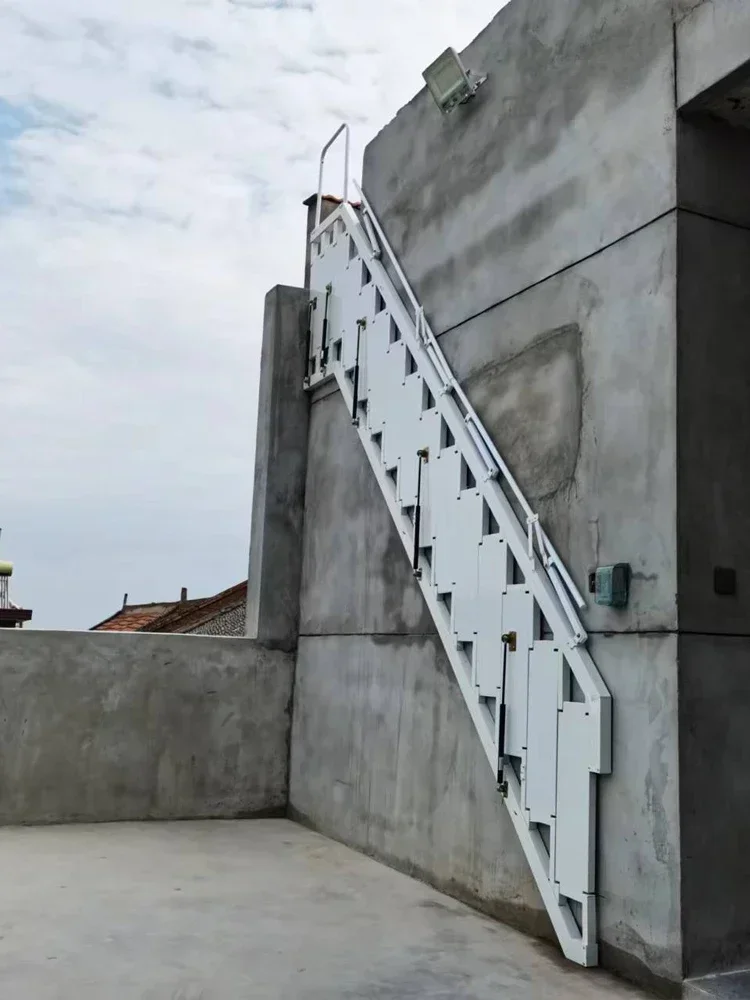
<point>154,155</point>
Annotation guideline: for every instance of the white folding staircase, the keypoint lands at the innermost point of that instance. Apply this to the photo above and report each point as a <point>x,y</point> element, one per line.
<point>503,603</point>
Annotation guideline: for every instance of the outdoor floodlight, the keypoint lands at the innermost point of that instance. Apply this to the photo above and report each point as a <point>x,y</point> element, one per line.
<point>449,82</point>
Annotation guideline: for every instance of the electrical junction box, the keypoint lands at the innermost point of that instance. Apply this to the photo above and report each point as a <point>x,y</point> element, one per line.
<point>611,585</point>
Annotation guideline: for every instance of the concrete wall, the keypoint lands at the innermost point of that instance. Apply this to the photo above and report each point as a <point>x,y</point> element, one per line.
<point>355,577</point>
<point>713,382</point>
<point>714,425</point>
<point>715,801</point>
<point>575,380</point>
<point>639,862</point>
<point>103,726</point>
<point>540,227</point>
<point>385,758</point>
<point>568,147</point>
<point>273,589</point>
<point>384,753</point>
<point>713,41</point>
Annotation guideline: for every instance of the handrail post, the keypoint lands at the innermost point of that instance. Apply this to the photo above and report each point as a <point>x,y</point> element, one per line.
<point>347,148</point>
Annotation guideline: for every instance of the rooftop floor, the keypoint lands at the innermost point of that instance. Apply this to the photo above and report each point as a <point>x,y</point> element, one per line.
<point>234,910</point>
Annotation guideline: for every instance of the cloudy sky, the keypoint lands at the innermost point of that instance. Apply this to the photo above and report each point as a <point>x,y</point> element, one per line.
<point>153,159</point>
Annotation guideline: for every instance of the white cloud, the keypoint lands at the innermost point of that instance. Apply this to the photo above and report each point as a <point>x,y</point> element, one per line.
<point>155,200</point>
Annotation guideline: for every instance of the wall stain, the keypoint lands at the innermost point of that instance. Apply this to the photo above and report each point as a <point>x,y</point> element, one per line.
<point>529,105</point>
<point>531,404</point>
<point>526,225</point>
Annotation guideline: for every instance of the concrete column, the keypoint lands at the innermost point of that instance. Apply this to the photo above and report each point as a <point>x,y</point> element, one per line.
<point>280,471</point>
<point>713,527</point>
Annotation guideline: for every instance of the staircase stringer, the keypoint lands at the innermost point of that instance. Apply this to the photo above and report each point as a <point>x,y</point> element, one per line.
<point>543,575</point>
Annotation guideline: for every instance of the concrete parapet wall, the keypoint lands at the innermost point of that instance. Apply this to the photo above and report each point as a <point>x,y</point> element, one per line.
<point>100,727</point>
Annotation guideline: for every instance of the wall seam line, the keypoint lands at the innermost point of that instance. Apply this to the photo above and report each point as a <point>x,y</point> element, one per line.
<point>560,271</point>
<point>671,631</point>
<point>714,218</point>
<point>367,635</point>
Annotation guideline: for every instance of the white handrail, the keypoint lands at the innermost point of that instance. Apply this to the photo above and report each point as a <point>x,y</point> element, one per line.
<point>483,440</point>
<point>342,128</point>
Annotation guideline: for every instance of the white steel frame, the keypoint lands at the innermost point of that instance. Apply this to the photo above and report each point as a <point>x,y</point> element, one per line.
<point>559,734</point>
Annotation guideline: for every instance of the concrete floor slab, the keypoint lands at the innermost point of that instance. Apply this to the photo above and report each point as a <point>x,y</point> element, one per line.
<point>729,986</point>
<point>255,909</point>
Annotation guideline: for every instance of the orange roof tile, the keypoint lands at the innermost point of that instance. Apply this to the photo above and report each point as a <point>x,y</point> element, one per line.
<point>133,617</point>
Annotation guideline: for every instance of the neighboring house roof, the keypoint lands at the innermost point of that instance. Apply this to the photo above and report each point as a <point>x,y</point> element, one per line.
<point>137,617</point>
<point>177,616</point>
<point>186,619</point>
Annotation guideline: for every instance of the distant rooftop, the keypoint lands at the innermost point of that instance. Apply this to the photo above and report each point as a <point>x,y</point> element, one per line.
<point>136,617</point>
<point>174,616</point>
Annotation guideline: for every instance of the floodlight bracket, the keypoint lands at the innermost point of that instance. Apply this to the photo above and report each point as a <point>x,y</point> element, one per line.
<point>476,83</point>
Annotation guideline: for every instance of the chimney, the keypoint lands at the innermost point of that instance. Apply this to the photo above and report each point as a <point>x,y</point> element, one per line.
<point>125,600</point>
<point>183,594</point>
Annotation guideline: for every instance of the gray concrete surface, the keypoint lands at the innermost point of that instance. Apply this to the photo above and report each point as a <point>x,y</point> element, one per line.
<point>715,801</point>
<point>355,577</point>
<point>384,755</point>
<point>263,909</point>
<point>385,758</point>
<point>568,147</point>
<point>727,986</point>
<point>714,423</point>
<point>381,742</point>
<point>713,165</point>
<point>575,380</point>
<point>280,460</point>
<point>713,40</point>
<point>639,864</point>
<point>538,226</point>
<point>104,726</point>
<point>551,229</point>
<point>713,387</point>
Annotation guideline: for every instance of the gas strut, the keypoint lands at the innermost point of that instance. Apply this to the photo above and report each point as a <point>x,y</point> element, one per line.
<point>361,324</point>
<point>308,347</point>
<point>509,643</point>
<point>324,338</point>
<point>422,456</point>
